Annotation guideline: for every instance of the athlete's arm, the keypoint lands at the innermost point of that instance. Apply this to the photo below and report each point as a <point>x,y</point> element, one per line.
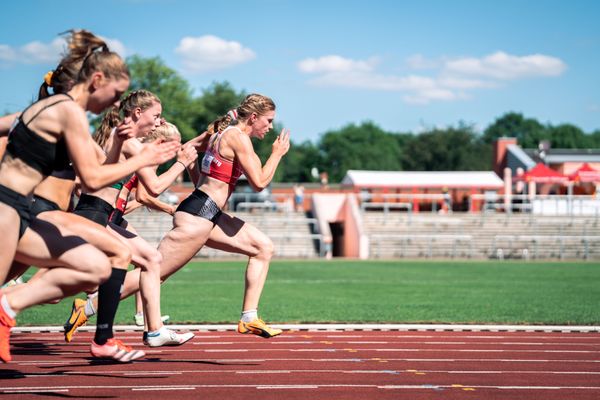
<point>6,122</point>
<point>156,184</point>
<point>94,175</point>
<point>146,199</point>
<point>259,176</point>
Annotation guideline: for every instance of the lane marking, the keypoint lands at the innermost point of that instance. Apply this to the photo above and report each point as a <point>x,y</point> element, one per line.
<point>279,387</point>
<point>304,371</point>
<point>35,391</point>
<point>303,386</point>
<point>163,388</point>
<point>349,327</point>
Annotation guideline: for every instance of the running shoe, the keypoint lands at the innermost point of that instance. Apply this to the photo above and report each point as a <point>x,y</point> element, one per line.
<point>258,327</point>
<point>166,337</point>
<point>76,319</point>
<point>139,319</point>
<point>114,349</point>
<point>6,323</point>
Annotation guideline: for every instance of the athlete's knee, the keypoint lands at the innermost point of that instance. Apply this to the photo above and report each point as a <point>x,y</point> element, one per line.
<point>96,269</point>
<point>153,259</point>
<point>265,248</point>
<point>121,257</point>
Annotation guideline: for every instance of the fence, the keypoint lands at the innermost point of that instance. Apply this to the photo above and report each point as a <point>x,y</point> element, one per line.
<point>529,245</point>
<point>379,241</point>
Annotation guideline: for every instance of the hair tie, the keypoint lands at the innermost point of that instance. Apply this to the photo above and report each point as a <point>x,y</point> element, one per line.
<point>48,78</point>
<point>233,114</point>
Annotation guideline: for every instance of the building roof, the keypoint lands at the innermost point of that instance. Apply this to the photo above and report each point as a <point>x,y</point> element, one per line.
<point>423,179</point>
<point>543,174</point>
<point>560,156</point>
<point>516,157</point>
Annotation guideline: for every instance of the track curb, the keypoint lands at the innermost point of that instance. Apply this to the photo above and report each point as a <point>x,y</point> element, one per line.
<point>344,327</point>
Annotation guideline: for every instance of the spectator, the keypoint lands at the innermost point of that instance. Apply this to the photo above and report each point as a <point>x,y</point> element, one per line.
<point>299,197</point>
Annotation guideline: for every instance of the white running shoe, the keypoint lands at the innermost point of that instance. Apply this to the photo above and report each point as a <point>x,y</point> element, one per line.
<point>139,319</point>
<point>167,337</point>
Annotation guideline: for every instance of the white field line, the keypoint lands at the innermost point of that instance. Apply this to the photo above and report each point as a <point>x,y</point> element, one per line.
<point>343,360</point>
<point>286,387</point>
<point>312,371</point>
<point>349,327</point>
<point>309,337</point>
<point>363,350</point>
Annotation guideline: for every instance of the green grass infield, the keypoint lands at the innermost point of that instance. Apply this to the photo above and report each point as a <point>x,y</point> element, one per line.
<point>345,291</point>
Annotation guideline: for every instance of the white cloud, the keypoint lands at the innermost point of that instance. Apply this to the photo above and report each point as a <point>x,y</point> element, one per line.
<point>7,53</point>
<point>504,66</point>
<point>338,71</point>
<point>37,52</point>
<point>116,45</point>
<point>451,79</point>
<point>465,83</point>
<point>418,61</point>
<point>210,53</point>
<point>333,63</point>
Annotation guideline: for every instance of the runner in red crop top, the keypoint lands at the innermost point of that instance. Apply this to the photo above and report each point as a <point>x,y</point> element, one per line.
<point>200,219</point>
<point>217,167</point>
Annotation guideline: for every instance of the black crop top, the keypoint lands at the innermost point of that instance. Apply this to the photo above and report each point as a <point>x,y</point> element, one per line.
<point>34,150</point>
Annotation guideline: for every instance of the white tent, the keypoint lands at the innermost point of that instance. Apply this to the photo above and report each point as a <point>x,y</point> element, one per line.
<point>423,179</point>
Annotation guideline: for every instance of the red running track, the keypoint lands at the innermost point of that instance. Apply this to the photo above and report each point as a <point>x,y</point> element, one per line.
<point>347,365</point>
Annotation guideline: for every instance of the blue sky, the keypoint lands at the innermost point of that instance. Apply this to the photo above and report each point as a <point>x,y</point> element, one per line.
<point>405,65</point>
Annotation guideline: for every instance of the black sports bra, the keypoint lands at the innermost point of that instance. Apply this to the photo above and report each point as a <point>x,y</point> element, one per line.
<point>34,150</point>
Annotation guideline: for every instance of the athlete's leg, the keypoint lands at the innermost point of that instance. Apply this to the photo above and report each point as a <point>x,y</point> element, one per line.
<point>183,242</point>
<point>233,235</point>
<point>148,259</point>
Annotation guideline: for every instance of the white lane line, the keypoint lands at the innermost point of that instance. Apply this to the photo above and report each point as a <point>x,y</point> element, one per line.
<point>304,386</point>
<point>318,335</point>
<point>198,342</point>
<point>34,391</point>
<point>265,372</point>
<point>396,387</point>
<point>135,373</point>
<point>315,371</point>
<point>349,327</point>
<point>163,388</point>
<point>485,350</point>
<point>279,387</point>
<point>230,361</point>
<point>411,350</point>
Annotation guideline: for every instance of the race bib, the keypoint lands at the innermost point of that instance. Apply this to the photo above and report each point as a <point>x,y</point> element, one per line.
<point>206,163</point>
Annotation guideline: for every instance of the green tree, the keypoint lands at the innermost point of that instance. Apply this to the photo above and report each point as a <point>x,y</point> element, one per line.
<point>364,146</point>
<point>568,136</point>
<point>528,131</point>
<point>214,102</point>
<point>451,149</point>
<point>173,90</point>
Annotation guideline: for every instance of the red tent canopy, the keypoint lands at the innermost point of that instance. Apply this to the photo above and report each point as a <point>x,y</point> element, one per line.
<point>585,173</point>
<point>542,174</point>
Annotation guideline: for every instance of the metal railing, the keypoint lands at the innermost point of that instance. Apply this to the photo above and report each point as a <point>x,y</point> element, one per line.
<point>431,240</point>
<point>529,245</point>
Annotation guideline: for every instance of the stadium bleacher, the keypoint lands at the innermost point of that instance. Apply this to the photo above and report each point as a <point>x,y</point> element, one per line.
<point>481,236</point>
<point>292,233</point>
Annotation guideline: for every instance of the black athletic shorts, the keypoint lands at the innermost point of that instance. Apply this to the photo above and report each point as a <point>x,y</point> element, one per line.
<point>20,203</point>
<point>40,205</point>
<point>117,218</point>
<point>94,208</point>
<point>201,205</point>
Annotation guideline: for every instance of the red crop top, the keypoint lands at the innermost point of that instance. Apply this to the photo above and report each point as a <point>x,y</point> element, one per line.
<point>122,203</point>
<point>217,167</point>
